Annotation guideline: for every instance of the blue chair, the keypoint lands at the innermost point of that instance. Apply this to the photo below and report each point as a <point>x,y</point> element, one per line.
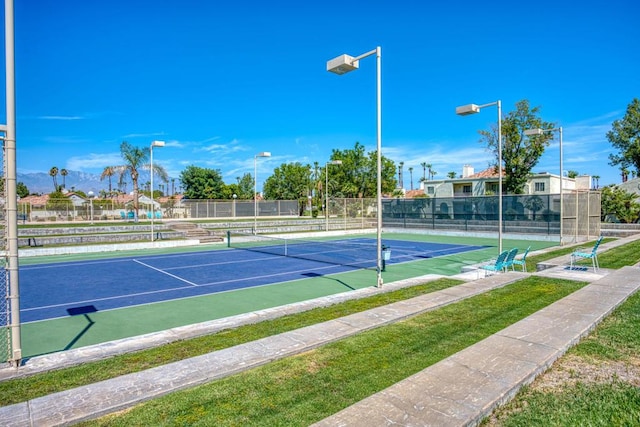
<point>159,215</point>
<point>122,214</point>
<point>497,265</point>
<point>508,261</point>
<point>522,261</point>
<point>593,255</point>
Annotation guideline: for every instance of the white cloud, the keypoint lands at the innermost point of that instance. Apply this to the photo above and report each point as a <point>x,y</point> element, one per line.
<point>61,117</point>
<point>93,161</point>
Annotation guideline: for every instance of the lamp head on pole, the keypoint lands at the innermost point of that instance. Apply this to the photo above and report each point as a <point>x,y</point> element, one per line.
<point>466,110</point>
<point>157,144</point>
<point>342,64</point>
<point>533,132</point>
<point>335,162</point>
<point>264,154</point>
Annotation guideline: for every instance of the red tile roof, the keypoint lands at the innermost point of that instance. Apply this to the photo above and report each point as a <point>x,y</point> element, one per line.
<point>487,173</point>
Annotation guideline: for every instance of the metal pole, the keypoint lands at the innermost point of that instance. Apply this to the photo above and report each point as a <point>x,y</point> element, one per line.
<point>499,104</point>
<point>10,188</point>
<point>379,166</point>
<point>561,188</point>
<point>152,207</point>
<point>326,197</point>
<point>255,194</point>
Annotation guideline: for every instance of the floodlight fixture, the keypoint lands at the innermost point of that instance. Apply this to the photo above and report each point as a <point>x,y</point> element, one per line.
<point>533,132</point>
<point>466,110</point>
<point>342,64</point>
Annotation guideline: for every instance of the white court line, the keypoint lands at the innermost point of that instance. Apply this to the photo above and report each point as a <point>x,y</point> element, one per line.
<point>104,299</point>
<point>164,272</point>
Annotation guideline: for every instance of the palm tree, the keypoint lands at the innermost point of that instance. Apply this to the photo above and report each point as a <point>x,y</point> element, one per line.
<point>424,171</point>
<point>451,175</point>
<point>108,172</point>
<point>53,172</point>
<point>135,158</point>
<point>411,176</point>
<point>429,166</point>
<point>64,174</point>
<point>432,173</point>
<point>596,178</point>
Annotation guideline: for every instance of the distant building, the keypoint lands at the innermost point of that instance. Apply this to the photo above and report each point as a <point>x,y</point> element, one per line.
<point>486,182</point>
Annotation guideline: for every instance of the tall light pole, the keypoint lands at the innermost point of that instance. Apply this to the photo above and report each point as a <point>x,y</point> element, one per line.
<point>466,110</point>
<point>10,193</point>
<point>341,65</point>
<point>255,188</point>
<point>153,207</point>
<point>538,131</point>
<point>326,192</point>
<point>91,195</point>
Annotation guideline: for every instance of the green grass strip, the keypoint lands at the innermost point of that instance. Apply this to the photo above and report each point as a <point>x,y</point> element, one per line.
<point>614,403</point>
<point>303,389</point>
<point>22,389</point>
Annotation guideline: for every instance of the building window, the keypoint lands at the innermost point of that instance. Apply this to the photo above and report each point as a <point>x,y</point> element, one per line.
<point>493,188</point>
<point>466,189</point>
<point>539,186</point>
<point>430,190</point>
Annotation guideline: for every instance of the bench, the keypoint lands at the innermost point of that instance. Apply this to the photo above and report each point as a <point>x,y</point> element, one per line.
<point>32,242</point>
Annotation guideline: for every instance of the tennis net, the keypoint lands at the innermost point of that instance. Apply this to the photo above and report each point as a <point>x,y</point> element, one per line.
<point>347,252</point>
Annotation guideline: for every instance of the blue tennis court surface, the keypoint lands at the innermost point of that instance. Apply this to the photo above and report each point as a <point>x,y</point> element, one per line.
<point>57,290</point>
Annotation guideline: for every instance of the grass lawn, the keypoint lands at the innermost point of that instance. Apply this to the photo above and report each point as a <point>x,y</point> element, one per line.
<point>597,383</point>
<point>303,389</point>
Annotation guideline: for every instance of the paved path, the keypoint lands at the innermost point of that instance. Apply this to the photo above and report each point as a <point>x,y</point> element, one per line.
<point>460,390</point>
<point>465,388</point>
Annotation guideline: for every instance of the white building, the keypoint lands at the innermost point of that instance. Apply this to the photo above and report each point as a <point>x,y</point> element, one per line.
<point>486,183</point>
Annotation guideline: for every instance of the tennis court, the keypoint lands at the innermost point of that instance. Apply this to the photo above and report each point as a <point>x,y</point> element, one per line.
<point>56,290</point>
<point>72,301</point>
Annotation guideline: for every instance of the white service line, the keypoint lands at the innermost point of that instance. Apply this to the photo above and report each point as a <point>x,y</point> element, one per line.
<point>164,272</point>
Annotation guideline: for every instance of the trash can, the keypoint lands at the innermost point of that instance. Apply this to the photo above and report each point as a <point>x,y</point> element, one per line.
<point>386,256</point>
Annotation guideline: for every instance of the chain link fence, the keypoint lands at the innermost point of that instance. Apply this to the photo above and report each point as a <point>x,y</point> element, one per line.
<point>5,314</point>
<point>521,214</point>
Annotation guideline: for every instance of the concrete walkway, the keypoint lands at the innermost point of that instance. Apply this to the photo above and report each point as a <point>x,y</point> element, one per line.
<point>460,390</point>
<point>465,388</point>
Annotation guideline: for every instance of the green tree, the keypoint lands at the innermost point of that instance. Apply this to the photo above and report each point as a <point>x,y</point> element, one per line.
<point>21,189</point>
<point>625,136</point>
<point>451,175</point>
<point>64,173</point>
<point>203,183</point>
<point>135,159</point>
<point>619,203</point>
<point>59,203</point>
<point>53,173</point>
<point>357,176</point>
<point>520,154</point>
<point>572,174</point>
<point>108,172</point>
<point>245,187</point>
<point>290,181</point>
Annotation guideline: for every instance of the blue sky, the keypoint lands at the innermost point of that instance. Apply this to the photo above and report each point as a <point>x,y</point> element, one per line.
<point>222,81</point>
